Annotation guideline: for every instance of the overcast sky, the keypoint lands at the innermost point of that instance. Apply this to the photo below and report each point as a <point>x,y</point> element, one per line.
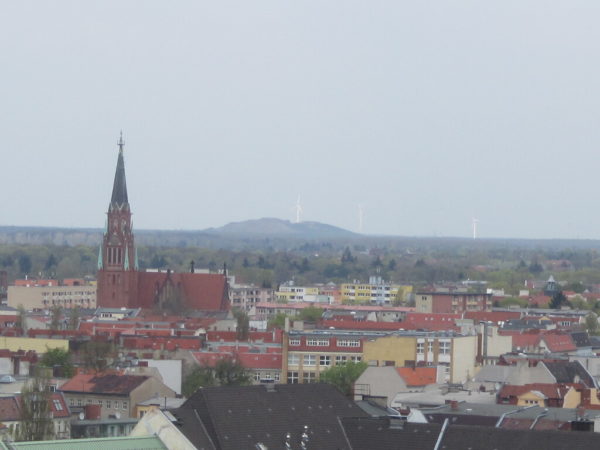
<point>428,113</point>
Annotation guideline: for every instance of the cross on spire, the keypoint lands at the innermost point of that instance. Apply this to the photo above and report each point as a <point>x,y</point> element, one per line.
<point>121,142</point>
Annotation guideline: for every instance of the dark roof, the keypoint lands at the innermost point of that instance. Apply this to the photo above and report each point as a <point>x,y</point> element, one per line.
<point>581,339</point>
<point>119,192</point>
<point>240,417</point>
<point>567,371</point>
<point>376,433</point>
<point>368,433</point>
<point>461,437</point>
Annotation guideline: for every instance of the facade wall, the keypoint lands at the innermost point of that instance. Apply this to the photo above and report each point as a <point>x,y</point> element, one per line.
<point>110,404</point>
<point>396,349</point>
<point>463,358</point>
<point>38,345</point>
<point>44,297</point>
<point>147,390</point>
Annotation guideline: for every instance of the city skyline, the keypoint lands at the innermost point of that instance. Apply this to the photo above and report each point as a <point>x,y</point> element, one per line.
<point>403,119</point>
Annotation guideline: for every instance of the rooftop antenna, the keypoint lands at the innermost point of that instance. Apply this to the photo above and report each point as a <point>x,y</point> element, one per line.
<point>475,222</point>
<point>298,209</point>
<point>361,217</point>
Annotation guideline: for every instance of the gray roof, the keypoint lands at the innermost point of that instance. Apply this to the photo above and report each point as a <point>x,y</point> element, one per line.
<point>240,417</point>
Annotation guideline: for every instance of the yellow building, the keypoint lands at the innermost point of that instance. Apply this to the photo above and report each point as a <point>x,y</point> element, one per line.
<point>38,345</point>
<point>456,353</point>
<point>375,291</point>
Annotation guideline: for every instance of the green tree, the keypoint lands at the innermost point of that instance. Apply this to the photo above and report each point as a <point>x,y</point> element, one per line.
<point>55,317</point>
<point>21,318</point>
<point>559,300</point>
<point>57,357</point>
<point>35,418</point>
<point>311,314</point>
<point>343,376</point>
<point>230,372</point>
<point>74,314</point>
<point>243,324</point>
<point>591,324</point>
<point>97,355</point>
<point>277,321</point>
<point>199,377</point>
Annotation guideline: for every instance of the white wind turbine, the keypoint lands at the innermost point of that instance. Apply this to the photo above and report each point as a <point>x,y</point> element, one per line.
<point>475,222</point>
<point>298,209</point>
<point>361,217</point>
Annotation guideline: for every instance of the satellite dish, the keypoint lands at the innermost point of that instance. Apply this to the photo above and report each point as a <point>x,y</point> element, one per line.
<point>81,416</point>
<point>117,415</point>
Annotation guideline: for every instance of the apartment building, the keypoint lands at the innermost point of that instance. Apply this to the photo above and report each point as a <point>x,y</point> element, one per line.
<point>44,297</point>
<point>452,301</point>
<point>376,291</point>
<point>308,353</point>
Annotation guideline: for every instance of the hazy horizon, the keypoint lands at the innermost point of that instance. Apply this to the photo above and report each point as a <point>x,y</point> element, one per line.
<point>426,114</point>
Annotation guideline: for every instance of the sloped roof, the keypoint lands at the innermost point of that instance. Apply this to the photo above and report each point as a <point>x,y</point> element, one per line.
<point>239,417</point>
<point>570,372</point>
<point>542,390</point>
<point>418,376</point>
<point>119,198</point>
<point>558,342</point>
<point>368,433</point>
<point>200,290</point>
<point>114,384</point>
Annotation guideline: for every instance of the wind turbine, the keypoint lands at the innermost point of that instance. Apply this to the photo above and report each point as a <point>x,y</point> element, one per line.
<point>298,209</point>
<point>361,217</point>
<point>475,222</point>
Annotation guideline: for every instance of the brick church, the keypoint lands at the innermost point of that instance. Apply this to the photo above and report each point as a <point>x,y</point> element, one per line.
<point>122,284</point>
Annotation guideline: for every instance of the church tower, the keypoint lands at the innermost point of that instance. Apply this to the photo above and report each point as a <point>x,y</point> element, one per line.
<point>117,256</point>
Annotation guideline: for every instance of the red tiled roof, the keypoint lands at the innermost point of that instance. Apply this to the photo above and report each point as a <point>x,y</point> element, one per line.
<point>260,360</point>
<point>430,321</point>
<point>558,342</point>
<point>362,325</point>
<point>201,291</point>
<point>418,376</point>
<point>248,360</point>
<point>103,383</point>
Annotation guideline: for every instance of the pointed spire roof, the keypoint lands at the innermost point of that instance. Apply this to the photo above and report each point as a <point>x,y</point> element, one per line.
<point>100,261</point>
<point>119,194</point>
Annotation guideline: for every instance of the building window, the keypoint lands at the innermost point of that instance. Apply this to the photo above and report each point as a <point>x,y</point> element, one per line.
<point>324,360</point>
<point>294,342</point>
<point>100,402</point>
<point>309,377</point>
<point>356,359</point>
<point>293,359</point>
<point>430,346</point>
<point>57,405</point>
<point>257,376</point>
<point>71,402</point>
<point>79,402</point>
<point>276,377</point>
<point>317,342</point>
<point>340,359</point>
<point>310,360</point>
<point>108,404</point>
<point>444,347</point>
<point>292,377</point>
<point>125,405</point>
<point>348,343</point>
<point>420,348</point>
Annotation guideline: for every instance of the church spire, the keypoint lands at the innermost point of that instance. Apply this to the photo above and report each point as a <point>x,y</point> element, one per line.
<point>119,194</point>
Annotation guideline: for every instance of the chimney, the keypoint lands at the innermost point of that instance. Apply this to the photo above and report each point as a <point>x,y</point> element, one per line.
<point>192,266</point>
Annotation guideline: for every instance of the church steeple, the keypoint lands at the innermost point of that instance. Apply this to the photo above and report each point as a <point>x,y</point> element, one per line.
<point>117,285</point>
<point>119,198</point>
